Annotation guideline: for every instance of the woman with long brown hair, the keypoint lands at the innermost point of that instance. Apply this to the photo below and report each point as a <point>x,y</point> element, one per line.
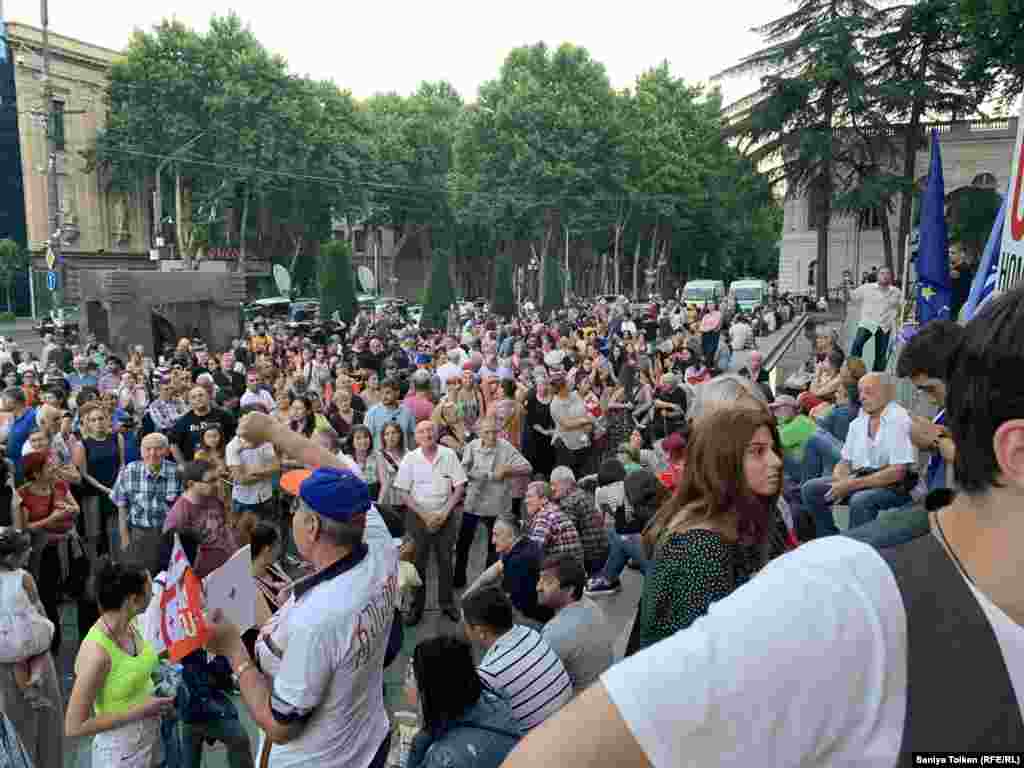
<point>716,531</point>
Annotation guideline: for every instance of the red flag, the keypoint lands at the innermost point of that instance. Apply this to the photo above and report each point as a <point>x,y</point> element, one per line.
<point>182,624</point>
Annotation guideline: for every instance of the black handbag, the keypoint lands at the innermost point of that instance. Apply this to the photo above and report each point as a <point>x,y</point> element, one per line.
<point>79,569</point>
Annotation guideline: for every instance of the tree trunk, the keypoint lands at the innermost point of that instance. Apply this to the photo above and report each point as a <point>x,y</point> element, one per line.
<point>604,272</point>
<point>241,230</point>
<point>821,268</point>
<point>615,257</point>
<point>910,142</point>
<point>183,215</point>
<point>636,268</point>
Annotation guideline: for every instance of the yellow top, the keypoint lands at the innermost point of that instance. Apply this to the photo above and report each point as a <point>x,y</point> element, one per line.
<point>130,680</point>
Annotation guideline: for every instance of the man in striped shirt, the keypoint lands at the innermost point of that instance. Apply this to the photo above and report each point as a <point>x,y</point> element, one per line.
<point>548,525</point>
<point>518,663</point>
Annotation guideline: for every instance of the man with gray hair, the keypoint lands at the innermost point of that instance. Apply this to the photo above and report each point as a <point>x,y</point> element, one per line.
<point>878,458</point>
<point>432,481</point>
<point>729,389</point>
<point>144,493</point>
<point>580,508</point>
<point>516,571</point>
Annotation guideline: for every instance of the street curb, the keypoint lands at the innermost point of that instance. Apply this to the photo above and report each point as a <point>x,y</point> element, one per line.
<point>783,344</point>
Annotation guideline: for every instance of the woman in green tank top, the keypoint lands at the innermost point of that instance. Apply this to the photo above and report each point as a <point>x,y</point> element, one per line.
<point>113,695</point>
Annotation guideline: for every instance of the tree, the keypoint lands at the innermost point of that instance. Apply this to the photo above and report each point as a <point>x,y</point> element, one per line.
<point>337,281</point>
<point>13,261</point>
<point>552,285</point>
<point>504,302</point>
<point>542,147</point>
<point>971,211</point>
<point>993,49</point>
<point>440,294</point>
<point>814,81</point>
<point>916,69</point>
<point>253,156</point>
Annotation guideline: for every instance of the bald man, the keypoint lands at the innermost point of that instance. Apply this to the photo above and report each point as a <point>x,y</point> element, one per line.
<point>878,462</point>
<point>144,492</point>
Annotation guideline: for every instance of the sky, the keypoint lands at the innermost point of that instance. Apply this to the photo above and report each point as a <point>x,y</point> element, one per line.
<point>373,47</point>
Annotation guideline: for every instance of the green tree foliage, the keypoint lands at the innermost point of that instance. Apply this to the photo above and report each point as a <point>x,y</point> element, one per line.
<point>440,294</point>
<point>971,211</point>
<point>503,302</point>
<point>275,156</point>
<point>336,279</point>
<point>13,261</point>
<point>814,81</point>
<point>993,49</point>
<point>552,285</point>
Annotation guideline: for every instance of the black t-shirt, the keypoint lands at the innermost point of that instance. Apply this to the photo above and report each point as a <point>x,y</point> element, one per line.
<point>187,432</point>
<point>232,381</point>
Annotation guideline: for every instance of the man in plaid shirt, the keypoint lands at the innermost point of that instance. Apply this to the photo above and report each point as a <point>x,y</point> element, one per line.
<point>548,525</point>
<point>144,493</point>
<point>579,506</point>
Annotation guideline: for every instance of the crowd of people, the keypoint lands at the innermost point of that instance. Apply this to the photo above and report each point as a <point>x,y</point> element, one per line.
<point>579,446</point>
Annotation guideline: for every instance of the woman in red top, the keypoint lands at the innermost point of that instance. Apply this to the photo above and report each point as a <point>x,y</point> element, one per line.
<point>44,506</point>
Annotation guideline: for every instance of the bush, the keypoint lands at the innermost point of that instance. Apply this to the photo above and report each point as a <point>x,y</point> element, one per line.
<point>7,317</point>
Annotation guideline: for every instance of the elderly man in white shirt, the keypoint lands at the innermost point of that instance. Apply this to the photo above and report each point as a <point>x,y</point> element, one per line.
<point>877,461</point>
<point>879,305</point>
<point>432,482</point>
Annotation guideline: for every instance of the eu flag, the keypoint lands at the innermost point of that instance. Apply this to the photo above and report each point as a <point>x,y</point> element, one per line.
<point>934,287</point>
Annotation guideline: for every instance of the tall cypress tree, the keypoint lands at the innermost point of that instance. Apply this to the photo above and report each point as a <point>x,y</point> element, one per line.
<point>552,285</point>
<point>337,281</point>
<point>440,294</point>
<point>503,303</point>
<point>814,78</point>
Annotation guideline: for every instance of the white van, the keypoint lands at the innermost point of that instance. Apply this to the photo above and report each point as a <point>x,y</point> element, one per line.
<point>697,293</point>
<point>748,294</point>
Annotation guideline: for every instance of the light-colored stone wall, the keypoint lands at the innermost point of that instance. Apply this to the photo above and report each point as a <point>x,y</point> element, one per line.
<point>107,223</point>
<point>968,149</point>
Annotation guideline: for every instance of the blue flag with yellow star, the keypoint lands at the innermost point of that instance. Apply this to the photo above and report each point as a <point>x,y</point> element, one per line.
<point>934,286</point>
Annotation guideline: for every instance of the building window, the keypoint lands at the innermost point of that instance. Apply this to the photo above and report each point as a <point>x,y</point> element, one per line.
<point>57,125</point>
<point>870,219</point>
<point>360,240</point>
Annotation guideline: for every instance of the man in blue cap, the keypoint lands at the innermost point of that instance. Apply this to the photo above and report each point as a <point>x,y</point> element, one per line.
<point>325,704</point>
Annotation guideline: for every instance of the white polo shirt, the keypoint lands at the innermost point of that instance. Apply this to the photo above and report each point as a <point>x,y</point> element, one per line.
<point>430,482</point>
<point>890,446</point>
<point>332,672</point>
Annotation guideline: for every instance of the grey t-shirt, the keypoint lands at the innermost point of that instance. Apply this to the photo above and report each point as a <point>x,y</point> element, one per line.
<point>582,637</point>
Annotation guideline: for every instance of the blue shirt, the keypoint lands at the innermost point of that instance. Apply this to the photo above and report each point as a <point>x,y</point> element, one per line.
<point>379,415</point>
<point>78,380</point>
<point>21,428</point>
<point>936,473</point>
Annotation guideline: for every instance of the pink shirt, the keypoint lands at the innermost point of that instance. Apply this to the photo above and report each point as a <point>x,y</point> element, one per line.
<point>421,408</point>
<point>207,517</point>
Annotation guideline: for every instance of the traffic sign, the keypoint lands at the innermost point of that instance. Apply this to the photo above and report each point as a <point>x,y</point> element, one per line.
<point>51,257</point>
<point>51,280</point>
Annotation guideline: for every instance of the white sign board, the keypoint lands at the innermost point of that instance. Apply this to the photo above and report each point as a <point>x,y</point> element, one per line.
<point>232,589</point>
<point>1011,255</point>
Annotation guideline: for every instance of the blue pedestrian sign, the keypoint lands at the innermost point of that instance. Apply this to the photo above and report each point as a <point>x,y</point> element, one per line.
<point>51,280</point>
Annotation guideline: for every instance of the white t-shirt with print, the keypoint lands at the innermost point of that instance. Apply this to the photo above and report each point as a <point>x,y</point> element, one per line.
<point>805,665</point>
<point>334,660</point>
<point>239,455</point>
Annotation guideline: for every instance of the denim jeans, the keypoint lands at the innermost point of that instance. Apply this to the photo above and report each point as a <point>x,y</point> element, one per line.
<point>227,730</point>
<point>170,740</point>
<point>821,454</point>
<point>895,528</point>
<point>622,548</point>
<point>864,505</point>
<point>881,346</point>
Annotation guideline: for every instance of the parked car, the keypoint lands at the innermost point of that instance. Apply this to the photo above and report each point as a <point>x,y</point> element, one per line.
<point>61,322</point>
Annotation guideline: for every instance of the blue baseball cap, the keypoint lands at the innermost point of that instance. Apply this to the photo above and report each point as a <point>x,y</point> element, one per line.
<point>334,493</point>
